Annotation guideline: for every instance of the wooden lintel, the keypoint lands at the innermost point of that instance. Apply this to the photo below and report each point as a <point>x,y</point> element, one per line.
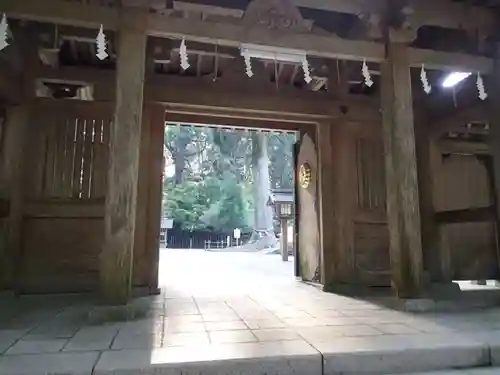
<point>58,210</point>
<point>73,74</point>
<point>470,215</point>
<point>449,61</point>
<point>225,34</point>
<point>463,147</point>
<point>350,7</point>
<point>238,122</point>
<point>476,113</point>
<point>199,93</point>
<point>230,98</point>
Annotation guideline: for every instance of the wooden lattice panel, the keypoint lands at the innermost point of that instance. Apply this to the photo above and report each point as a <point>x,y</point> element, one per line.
<point>370,175</point>
<point>69,157</point>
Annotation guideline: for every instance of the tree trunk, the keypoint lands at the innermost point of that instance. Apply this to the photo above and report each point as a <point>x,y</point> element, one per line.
<point>179,154</point>
<point>263,214</point>
<point>180,162</point>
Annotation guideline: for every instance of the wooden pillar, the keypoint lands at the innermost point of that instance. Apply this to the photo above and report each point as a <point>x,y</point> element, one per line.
<point>403,213</point>
<point>157,118</point>
<point>333,232</point>
<point>436,253</point>
<point>13,140</point>
<point>284,240</point>
<point>121,199</point>
<point>494,136</point>
<point>17,118</point>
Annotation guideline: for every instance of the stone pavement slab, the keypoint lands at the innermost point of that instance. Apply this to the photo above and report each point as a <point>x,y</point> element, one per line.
<point>264,324</point>
<point>53,364</point>
<point>288,358</point>
<point>478,371</point>
<point>401,354</point>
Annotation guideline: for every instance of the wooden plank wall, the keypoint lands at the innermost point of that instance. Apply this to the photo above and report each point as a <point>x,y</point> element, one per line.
<point>65,188</point>
<point>463,183</point>
<point>5,261</point>
<point>362,204</point>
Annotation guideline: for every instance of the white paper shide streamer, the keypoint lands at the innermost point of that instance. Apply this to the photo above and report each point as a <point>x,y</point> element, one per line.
<point>248,65</point>
<point>480,87</point>
<point>4,32</point>
<point>307,71</point>
<point>101,44</point>
<point>425,82</point>
<point>366,74</point>
<point>184,55</point>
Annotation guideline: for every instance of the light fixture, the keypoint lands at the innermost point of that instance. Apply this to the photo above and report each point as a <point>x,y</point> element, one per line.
<point>273,53</point>
<point>454,78</point>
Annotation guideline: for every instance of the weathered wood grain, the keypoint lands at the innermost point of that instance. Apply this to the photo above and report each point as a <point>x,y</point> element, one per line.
<point>403,211</point>
<point>124,158</point>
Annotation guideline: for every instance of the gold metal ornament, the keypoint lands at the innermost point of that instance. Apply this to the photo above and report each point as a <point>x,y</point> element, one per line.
<point>305,175</point>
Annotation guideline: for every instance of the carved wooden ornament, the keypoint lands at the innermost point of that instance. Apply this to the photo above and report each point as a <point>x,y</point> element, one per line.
<point>275,14</point>
<point>305,175</point>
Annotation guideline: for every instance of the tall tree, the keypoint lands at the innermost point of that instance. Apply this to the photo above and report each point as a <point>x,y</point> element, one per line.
<point>184,143</point>
<point>281,160</point>
<point>226,176</point>
<point>263,213</point>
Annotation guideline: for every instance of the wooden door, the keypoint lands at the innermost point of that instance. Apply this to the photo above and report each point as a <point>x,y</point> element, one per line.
<point>307,224</point>
<point>296,205</point>
<point>464,184</point>
<point>65,177</point>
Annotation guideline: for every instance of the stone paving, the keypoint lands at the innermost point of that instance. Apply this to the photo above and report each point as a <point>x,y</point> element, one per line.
<point>251,318</point>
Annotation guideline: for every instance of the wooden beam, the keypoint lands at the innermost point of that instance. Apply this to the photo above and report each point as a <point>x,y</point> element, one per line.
<point>403,211</point>
<point>123,172</point>
<point>225,34</point>
<point>443,13</point>
<point>230,95</point>
<point>355,7</point>
<point>449,146</point>
<point>452,15</point>
<point>459,118</point>
<point>469,215</point>
<point>62,12</point>
<point>232,35</point>
<point>449,61</point>
<point>60,209</point>
<point>241,121</point>
<point>446,14</point>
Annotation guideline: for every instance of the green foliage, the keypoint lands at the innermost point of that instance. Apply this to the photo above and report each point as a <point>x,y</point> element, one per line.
<point>230,211</point>
<point>212,186</point>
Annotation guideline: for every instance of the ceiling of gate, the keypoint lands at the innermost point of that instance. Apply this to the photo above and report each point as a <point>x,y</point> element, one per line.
<point>447,25</point>
<point>456,26</point>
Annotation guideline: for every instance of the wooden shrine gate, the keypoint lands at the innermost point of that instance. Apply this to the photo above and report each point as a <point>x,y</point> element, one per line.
<point>65,173</point>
